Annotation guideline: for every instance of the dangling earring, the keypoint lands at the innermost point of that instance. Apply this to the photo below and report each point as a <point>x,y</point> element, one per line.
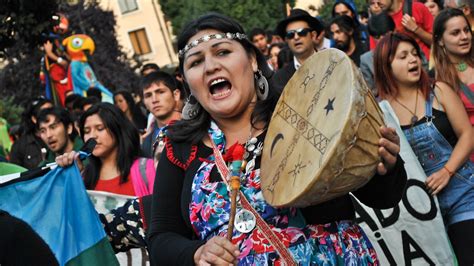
<point>262,85</point>
<point>444,50</point>
<point>191,109</point>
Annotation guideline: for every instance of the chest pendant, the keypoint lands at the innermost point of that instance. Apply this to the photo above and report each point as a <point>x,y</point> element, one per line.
<point>245,221</point>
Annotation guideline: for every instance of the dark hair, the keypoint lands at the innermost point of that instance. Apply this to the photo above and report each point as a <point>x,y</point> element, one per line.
<point>149,66</point>
<point>125,135</point>
<point>156,78</point>
<point>383,57</point>
<point>71,98</point>
<point>380,24</point>
<point>346,4</point>
<point>256,31</point>
<point>94,92</point>
<point>285,56</point>
<point>280,45</point>
<point>437,2</point>
<point>15,131</point>
<point>90,100</point>
<point>32,111</point>
<point>135,111</point>
<point>61,114</point>
<point>195,129</point>
<point>346,24</point>
<point>78,102</point>
<point>363,14</point>
<point>445,69</point>
<point>270,34</point>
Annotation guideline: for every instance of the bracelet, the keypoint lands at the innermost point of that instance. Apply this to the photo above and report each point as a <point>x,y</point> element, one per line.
<point>416,28</point>
<point>449,172</point>
<point>59,60</point>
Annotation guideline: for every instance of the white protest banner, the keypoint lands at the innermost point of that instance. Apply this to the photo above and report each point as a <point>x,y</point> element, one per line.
<point>412,233</point>
<point>104,202</point>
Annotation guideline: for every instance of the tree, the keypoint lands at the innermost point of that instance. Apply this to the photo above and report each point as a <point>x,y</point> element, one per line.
<point>250,13</point>
<point>24,21</point>
<point>20,78</point>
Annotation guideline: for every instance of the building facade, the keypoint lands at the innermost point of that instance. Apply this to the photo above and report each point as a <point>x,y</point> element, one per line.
<point>142,30</point>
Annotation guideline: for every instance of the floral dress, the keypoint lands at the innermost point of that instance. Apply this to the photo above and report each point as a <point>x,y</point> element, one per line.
<point>337,243</point>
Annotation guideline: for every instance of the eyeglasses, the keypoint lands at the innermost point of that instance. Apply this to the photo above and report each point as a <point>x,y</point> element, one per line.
<point>301,33</point>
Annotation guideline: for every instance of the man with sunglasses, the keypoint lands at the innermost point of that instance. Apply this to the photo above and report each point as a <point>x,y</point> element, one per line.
<point>299,30</point>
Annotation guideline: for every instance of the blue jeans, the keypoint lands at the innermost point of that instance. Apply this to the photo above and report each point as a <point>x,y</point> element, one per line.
<point>456,200</point>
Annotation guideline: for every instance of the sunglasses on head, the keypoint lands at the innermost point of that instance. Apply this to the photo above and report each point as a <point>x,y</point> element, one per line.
<point>301,32</point>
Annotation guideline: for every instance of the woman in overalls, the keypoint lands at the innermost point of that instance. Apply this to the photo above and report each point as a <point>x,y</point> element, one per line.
<point>437,127</point>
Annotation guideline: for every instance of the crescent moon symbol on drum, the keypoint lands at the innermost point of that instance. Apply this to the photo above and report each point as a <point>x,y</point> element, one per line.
<point>278,137</point>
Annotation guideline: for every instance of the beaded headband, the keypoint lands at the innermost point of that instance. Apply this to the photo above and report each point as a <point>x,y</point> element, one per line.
<point>205,38</point>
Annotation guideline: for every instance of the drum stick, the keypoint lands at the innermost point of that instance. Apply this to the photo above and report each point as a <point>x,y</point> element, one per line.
<point>235,186</point>
<point>236,170</point>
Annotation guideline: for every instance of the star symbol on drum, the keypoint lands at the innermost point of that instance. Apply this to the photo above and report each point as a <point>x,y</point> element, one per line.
<point>329,106</point>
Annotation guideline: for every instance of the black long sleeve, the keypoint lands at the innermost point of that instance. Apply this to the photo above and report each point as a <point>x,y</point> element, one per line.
<point>171,240</point>
<point>384,191</point>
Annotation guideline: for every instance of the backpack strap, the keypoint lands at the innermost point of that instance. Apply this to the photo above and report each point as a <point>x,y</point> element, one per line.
<point>142,168</point>
<point>407,7</point>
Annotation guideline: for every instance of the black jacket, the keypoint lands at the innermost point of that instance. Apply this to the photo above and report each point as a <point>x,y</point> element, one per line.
<point>282,76</point>
<point>26,151</point>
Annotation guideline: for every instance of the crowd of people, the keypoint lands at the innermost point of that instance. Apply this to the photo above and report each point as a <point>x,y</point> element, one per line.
<point>164,143</point>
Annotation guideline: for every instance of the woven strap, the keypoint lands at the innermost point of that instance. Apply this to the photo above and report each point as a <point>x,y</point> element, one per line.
<point>261,224</point>
<point>407,7</point>
<point>142,167</point>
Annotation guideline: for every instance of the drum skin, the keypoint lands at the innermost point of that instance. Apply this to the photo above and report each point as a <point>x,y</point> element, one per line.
<point>322,141</point>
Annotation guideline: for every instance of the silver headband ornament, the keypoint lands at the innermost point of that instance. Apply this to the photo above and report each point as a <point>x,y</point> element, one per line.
<point>205,38</point>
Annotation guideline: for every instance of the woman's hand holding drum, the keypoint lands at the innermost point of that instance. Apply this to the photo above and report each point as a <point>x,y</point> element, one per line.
<point>389,148</point>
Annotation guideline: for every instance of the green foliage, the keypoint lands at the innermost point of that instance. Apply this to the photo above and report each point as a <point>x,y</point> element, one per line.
<point>250,13</point>
<point>326,9</point>
<point>10,111</point>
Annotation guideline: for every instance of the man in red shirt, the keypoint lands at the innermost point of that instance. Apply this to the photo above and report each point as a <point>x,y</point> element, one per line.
<point>418,26</point>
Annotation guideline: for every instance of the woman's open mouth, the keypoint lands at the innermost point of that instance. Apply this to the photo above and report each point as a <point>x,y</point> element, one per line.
<point>220,88</point>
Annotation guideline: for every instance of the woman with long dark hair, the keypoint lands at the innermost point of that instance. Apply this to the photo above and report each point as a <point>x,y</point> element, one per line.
<point>229,109</point>
<point>114,165</point>
<point>438,130</point>
<point>453,55</point>
<point>124,101</point>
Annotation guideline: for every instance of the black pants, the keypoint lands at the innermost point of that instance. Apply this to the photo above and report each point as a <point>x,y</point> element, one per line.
<point>461,236</point>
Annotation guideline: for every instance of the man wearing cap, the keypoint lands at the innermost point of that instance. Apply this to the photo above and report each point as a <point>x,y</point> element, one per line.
<point>298,29</point>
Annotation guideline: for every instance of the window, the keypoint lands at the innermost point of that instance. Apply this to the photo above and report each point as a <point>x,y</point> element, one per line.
<point>127,6</point>
<point>140,42</point>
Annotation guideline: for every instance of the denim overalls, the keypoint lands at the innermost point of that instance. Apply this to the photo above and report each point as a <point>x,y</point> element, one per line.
<point>456,200</point>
